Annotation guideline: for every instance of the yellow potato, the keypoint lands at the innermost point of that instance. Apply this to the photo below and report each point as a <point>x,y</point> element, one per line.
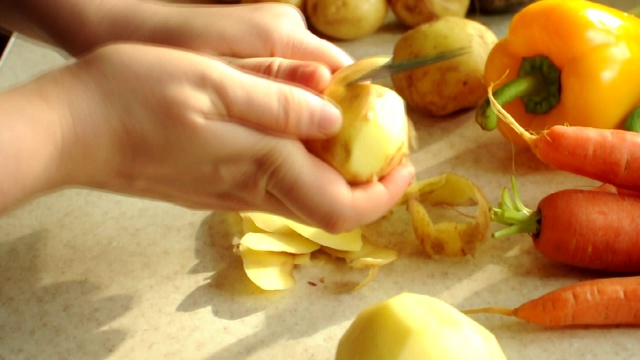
<point>453,85</point>
<point>412,326</point>
<point>375,133</point>
<point>346,19</point>
<point>297,3</point>
<point>415,12</point>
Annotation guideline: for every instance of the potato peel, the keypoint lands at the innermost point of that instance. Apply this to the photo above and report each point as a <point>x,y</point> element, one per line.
<point>273,245</point>
<point>448,238</point>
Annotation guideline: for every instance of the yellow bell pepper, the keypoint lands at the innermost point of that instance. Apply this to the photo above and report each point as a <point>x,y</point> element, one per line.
<point>566,62</point>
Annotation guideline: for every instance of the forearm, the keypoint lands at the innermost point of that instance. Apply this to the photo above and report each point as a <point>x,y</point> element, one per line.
<point>30,144</point>
<point>76,26</point>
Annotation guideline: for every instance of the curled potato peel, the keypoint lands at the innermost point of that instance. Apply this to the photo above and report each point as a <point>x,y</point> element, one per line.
<point>453,238</point>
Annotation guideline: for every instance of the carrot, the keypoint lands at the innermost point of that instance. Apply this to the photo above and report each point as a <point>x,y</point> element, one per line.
<point>608,155</point>
<point>608,301</point>
<point>593,229</point>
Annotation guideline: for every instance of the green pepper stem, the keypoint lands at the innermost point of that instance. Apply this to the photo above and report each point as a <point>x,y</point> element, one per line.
<point>632,122</point>
<point>537,84</point>
<point>487,118</point>
<point>514,214</point>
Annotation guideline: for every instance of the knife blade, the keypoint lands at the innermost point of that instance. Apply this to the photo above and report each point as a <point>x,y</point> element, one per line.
<point>392,67</point>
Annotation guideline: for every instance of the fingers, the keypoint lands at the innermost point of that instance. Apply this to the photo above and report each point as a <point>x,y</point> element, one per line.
<point>276,106</point>
<point>309,47</point>
<point>312,75</point>
<point>321,197</point>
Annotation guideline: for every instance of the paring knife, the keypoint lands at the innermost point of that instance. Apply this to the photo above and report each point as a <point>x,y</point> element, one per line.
<point>391,67</point>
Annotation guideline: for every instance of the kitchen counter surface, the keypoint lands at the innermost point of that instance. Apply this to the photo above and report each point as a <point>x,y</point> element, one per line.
<point>91,275</point>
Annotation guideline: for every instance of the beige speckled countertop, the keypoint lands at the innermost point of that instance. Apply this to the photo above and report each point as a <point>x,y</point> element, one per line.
<point>90,275</point>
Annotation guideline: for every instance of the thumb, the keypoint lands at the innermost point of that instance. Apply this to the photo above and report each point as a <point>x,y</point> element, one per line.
<point>278,103</point>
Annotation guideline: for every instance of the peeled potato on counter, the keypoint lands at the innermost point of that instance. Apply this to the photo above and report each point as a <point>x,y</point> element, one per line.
<point>412,326</point>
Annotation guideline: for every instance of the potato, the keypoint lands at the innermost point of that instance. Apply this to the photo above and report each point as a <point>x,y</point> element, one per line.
<point>375,133</point>
<point>415,12</point>
<point>444,88</point>
<point>297,3</point>
<point>499,6</point>
<point>412,326</point>
<point>346,19</point>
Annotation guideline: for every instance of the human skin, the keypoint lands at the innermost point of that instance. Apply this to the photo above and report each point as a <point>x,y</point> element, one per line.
<point>207,125</point>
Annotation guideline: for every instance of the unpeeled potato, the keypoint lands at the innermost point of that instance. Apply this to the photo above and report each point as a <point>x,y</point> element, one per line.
<point>415,12</point>
<point>297,3</point>
<point>346,19</point>
<point>452,85</point>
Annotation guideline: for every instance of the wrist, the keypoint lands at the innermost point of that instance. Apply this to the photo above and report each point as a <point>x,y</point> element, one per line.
<point>30,144</point>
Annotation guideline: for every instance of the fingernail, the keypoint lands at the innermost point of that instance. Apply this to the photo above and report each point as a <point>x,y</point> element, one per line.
<point>329,119</point>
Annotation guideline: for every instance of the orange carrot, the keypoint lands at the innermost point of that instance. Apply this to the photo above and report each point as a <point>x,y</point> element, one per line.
<point>610,301</point>
<point>593,229</point>
<point>608,155</point>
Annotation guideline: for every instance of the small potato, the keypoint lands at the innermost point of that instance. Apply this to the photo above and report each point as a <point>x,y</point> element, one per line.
<point>346,19</point>
<point>415,12</point>
<point>452,85</point>
<point>297,3</point>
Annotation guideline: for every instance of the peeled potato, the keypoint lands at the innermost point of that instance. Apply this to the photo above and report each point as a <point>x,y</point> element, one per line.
<point>456,84</point>
<point>375,133</point>
<point>415,12</point>
<point>346,19</point>
<point>412,326</point>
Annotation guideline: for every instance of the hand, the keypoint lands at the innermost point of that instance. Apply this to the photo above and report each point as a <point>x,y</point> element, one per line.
<point>243,31</point>
<point>173,125</point>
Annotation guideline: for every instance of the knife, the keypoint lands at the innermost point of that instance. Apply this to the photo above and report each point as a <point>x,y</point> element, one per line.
<point>392,67</point>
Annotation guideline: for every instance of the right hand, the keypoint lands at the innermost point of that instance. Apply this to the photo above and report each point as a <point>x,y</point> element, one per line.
<point>181,127</point>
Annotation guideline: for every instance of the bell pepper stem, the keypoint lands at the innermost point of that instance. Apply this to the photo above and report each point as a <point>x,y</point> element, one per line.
<point>537,85</point>
<point>632,122</point>
<point>513,213</point>
<point>487,118</point>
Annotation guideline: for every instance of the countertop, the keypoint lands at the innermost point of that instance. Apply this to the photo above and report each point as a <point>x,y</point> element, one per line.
<point>91,275</point>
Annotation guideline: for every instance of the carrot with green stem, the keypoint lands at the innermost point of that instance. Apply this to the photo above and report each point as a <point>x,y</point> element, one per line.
<point>600,302</point>
<point>590,229</point>
<point>608,155</point>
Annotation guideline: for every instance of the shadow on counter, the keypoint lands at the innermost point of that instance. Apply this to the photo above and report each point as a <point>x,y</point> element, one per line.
<point>59,320</point>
